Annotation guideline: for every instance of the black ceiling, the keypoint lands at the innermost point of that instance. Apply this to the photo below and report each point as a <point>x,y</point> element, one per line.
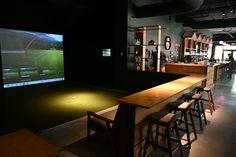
<point>148,8</point>
<point>217,16</point>
<point>57,14</point>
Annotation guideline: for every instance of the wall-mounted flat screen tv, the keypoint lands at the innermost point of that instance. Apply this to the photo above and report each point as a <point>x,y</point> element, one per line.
<point>106,52</point>
<point>31,57</point>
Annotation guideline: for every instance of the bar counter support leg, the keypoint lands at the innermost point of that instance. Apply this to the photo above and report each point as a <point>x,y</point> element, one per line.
<point>126,121</point>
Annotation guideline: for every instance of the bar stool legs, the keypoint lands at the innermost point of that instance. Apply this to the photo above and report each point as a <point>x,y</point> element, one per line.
<point>147,139</point>
<point>198,107</point>
<point>210,96</point>
<point>184,109</point>
<point>209,99</point>
<point>178,139</point>
<point>187,130</point>
<point>167,121</point>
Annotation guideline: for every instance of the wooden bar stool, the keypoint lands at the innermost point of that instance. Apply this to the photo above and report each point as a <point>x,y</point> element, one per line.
<point>186,118</point>
<point>208,90</point>
<point>198,105</point>
<point>168,122</point>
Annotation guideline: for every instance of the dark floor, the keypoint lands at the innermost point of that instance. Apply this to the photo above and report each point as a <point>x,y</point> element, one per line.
<point>48,105</point>
<point>218,137</point>
<point>216,140</point>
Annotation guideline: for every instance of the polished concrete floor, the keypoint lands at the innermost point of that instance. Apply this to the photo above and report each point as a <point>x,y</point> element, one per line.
<point>217,139</point>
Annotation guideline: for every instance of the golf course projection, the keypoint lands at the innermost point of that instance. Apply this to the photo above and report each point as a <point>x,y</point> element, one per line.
<point>31,57</point>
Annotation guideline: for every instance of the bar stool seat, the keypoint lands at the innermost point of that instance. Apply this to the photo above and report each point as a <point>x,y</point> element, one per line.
<point>197,96</point>
<point>168,122</point>
<point>187,96</point>
<point>184,109</point>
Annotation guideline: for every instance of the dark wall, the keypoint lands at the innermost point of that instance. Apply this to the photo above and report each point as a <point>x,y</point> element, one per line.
<point>2,107</point>
<point>120,44</point>
<point>85,32</point>
<point>83,51</point>
<point>101,25</point>
<point>84,44</point>
<point>140,80</point>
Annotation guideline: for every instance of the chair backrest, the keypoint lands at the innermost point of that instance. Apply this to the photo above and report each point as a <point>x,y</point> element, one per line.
<point>106,122</point>
<point>97,122</point>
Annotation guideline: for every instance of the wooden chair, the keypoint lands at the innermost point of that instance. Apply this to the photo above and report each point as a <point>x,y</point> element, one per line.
<point>105,123</point>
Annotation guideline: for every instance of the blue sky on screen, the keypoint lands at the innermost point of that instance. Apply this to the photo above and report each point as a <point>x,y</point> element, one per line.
<point>55,36</point>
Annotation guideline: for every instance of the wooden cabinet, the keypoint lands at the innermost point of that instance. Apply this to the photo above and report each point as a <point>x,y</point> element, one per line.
<point>190,39</point>
<point>144,48</point>
<point>195,45</point>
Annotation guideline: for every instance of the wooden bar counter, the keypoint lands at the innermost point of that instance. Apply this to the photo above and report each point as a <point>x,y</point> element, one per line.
<point>191,68</point>
<point>24,143</point>
<point>186,68</point>
<point>133,110</point>
<point>220,69</point>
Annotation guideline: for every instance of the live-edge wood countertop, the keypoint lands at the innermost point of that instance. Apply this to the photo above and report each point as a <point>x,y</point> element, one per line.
<point>155,95</point>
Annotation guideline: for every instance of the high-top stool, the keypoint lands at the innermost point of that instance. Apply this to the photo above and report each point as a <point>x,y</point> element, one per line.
<point>167,121</point>
<point>208,90</point>
<point>198,105</point>
<point>184,109</point>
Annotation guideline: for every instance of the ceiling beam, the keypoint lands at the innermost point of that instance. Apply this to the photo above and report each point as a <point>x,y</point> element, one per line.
<point>222,9</point>
<point>224,37</point>
<point>215,24</point>
<point>206,24</point>
<point>172,7</point>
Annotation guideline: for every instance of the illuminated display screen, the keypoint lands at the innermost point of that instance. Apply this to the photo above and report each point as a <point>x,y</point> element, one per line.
<point>106,52</point>
<point>31,57</point>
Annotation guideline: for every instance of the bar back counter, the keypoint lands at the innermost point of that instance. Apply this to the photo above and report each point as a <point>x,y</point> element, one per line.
<point>212,71</point>
<point>133,110</point>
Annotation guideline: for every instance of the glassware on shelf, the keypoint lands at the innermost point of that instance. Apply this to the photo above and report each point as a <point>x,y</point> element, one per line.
<point>137,42</point>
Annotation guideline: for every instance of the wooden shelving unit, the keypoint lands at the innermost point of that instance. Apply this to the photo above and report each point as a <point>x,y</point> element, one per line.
<point>144,45</point>
<point>196,44</point>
